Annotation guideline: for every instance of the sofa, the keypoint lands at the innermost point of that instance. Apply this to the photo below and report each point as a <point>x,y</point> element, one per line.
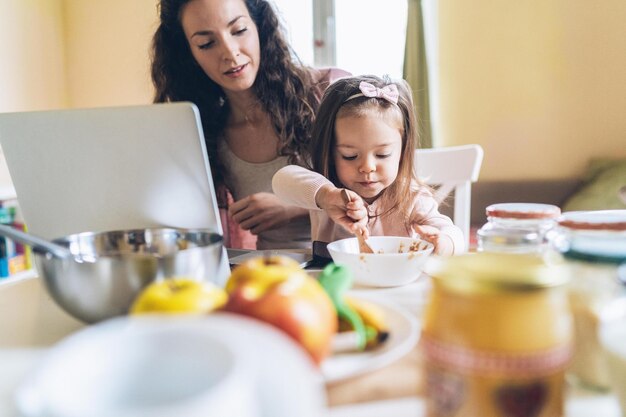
<point>599,188</point>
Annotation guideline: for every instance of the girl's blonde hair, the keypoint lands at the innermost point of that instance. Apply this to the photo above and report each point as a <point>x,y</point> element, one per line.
<point>338,101</point>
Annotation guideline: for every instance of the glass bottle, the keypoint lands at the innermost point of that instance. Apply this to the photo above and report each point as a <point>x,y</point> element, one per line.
<point>497,336</point>
<point>594,245</point>
<point>517,227</point>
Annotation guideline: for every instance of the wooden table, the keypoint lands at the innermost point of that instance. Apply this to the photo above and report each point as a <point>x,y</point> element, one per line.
<point>402,378</point>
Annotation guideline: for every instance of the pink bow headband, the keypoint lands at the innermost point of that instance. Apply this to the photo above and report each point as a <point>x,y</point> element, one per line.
<point>388,92</point>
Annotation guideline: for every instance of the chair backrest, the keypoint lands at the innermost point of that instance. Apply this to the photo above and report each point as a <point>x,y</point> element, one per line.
<point>452,169</point>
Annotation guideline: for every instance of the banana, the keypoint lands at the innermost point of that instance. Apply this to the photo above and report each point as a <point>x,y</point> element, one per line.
<point>371,314</point>
<point>362,325</point>
<point>374,319</point>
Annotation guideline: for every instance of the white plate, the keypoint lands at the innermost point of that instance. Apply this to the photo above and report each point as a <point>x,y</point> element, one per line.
<point>404,332</point>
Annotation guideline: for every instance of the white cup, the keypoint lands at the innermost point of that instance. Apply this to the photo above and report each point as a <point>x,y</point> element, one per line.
<point>613,339</point>
<point>140,367</point>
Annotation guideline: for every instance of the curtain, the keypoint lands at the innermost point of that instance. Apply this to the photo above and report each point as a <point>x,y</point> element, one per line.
<point>415,70</point>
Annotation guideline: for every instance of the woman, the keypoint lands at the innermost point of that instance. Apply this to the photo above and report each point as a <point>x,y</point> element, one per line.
<point>257,105</point>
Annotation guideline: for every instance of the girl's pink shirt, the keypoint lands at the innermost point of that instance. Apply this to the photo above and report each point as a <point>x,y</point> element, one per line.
<point>298,186</point>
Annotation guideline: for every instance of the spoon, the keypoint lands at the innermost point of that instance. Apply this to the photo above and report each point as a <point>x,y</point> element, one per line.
<point>38,244</point>
<point>363,246</point>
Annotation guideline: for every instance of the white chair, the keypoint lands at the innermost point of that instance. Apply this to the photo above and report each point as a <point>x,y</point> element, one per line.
<point>452,169</point>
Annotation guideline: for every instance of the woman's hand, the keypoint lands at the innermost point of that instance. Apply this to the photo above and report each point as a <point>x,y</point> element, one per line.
<point>443,244</point>
<point>351,215</point>
<point>263,211</point>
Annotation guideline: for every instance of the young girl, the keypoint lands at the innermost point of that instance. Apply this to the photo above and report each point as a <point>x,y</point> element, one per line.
<point>364,141</point>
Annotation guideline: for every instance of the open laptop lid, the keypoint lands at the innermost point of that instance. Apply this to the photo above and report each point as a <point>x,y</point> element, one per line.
<point>110,168</point>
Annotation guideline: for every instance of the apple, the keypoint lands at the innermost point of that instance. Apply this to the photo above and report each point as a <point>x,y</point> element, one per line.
<point>179,295</point>
<point>277,291</point>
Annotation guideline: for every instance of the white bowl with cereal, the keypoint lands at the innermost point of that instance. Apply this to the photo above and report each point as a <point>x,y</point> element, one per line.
<point>396,260</point>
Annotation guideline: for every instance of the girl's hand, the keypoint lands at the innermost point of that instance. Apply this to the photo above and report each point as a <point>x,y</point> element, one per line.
<point>442,243</point>
<point>352,216</point>
<point>263,211</point>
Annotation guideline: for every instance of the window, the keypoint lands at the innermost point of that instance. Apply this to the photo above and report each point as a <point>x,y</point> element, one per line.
<point>360,36</point>
<point>297,17</point>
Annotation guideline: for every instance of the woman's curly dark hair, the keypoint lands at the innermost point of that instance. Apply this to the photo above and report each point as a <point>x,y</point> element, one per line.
<point>283,85</point>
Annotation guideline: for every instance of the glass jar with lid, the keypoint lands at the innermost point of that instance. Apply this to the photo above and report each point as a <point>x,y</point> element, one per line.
<point>517,227</point>
<point>497,336</point>
<point>594,245</point>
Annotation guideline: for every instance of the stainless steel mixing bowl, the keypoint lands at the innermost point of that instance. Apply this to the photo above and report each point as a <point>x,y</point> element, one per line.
<point>106,271</point>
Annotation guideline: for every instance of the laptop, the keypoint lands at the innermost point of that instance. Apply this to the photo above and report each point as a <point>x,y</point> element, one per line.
<point>111,168</point>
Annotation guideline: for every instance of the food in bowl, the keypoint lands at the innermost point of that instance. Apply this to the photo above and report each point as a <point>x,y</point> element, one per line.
<point>416,246</point>
<point>396,260</point>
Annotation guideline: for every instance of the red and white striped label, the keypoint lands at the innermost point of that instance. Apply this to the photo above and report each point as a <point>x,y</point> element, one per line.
<point>485,362</point>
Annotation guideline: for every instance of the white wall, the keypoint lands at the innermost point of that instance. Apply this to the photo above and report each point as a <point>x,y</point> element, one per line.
<point>108,51</point>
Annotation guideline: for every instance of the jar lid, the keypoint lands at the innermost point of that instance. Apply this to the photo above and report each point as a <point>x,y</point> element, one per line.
<point>523,211</point>
<point>607,220</point>
<point>490,273</point>
<point>509,237</point>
